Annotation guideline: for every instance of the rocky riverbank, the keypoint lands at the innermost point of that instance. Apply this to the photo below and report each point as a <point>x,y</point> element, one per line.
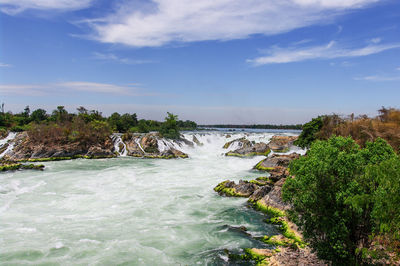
<point>20,147</point>
<point>264,194</point>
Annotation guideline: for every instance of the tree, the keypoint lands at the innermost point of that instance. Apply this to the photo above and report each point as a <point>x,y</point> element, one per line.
<point>60,114</point>
<point>310,131</point>
<point>334,195</point>
<point>169,129</point>
<point>38,115</point>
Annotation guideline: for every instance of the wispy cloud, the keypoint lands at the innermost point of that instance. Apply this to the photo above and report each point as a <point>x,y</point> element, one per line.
<point>5,65</point>
<point>278,55</point>
<point>376,40</point>
<point>378,78</point>
<point>121,60</point>
<point>160,22</point>
<point>62,88</point>
<point>13,7</point>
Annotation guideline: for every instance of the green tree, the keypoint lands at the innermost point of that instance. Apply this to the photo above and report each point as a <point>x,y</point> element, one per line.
<point>143,127</point>
<point>60,114</point>
<point>38,115</point>
<point>310,131</point>
<point>169,129</point>
<point>334,195</point>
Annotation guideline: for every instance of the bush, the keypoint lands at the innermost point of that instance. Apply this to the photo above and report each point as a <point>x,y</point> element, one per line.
<point>169,129</point>
<point>340,195</point>
<point>309,133</point>
<point>362,129</point>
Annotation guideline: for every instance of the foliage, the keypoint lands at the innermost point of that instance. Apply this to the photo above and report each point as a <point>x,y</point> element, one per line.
<point>341,194</point>
<point>63,119</point>
<point>309,133</point>
<point>362,129</point>
<point>169,129</point>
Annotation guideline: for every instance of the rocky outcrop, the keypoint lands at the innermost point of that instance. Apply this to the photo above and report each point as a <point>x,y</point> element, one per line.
<point>239,143</point>
<point>276,160</point>
<point>281,143</point>
<point>196,140</point>
<point>231,189</point>
<point>26,149</point>
<point>252,150</point>
<point>245,148</point>
<point>152,145</point>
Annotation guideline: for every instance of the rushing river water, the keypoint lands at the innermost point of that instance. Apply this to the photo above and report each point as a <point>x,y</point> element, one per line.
<point>129,211</point>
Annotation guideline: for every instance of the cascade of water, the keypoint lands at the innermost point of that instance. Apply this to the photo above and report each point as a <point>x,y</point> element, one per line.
<point>139,145</point>
<point>7,140</point>
<point>117,145</point>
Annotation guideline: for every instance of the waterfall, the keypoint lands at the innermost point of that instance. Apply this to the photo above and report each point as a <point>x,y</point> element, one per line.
<point>117,144</point>
<point>7,141</point>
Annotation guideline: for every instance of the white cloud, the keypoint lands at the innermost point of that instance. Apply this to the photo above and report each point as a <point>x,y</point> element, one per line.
<point>121,60</point>
<point>73,86</point>
<point>5,65</point>
<point>375,40</point>
<point>378,78</point>
<point>331,50</point>
<point>16,6</point>
<point>167,21</point>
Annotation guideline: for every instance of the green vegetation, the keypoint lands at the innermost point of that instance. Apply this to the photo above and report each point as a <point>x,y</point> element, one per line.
<point>309,133</point>
<point>345,197</point>
<point>18,166</point>
<point>362,129</point>
<point>85,123</point>
<point>169,129</point>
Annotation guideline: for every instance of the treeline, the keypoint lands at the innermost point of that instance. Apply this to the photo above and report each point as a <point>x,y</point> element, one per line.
<point>266,126</point>
<point>85,124</point>
<point>345,193</point>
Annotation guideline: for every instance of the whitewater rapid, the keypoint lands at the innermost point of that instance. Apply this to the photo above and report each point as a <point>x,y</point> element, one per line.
<point>130,211</point>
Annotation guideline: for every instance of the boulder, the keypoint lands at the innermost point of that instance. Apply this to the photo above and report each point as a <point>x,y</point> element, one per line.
<point>231,189</point>
<point>146,145</point>
<point>196,140</point>
<point>276,160</point>
<point>250,150</point>
<point>260,193</point>
<point>239,143</point>
<point>281,143</point>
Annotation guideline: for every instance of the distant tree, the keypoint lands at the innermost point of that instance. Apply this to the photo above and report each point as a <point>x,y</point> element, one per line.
<point>60,114</point>
<point>27,111</point>
<point>82,110</point>
<point>169,129</point>
<point>38,115</point>
<point>143,127</point>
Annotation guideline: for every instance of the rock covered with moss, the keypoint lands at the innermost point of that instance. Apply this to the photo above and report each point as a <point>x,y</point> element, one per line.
<point>281,143</point>
<point>7,165</point>
<point>276,160</point>
<point>231,189</point>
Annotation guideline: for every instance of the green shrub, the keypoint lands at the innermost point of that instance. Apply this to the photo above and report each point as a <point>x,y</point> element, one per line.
<point>340,193</point>
<point>169,129</point>
<point>309,133</point>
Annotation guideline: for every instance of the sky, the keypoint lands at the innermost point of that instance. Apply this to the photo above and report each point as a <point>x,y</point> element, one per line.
<point>210,61</point>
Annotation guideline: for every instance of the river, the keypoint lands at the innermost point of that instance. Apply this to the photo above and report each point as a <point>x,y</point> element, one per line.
<point>130,211</point>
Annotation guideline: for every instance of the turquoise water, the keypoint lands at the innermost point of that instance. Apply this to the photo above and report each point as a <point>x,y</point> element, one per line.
<point>128,211</point>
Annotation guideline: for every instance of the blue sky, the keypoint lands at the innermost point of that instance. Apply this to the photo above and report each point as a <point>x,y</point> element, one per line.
<point>211,61</point>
